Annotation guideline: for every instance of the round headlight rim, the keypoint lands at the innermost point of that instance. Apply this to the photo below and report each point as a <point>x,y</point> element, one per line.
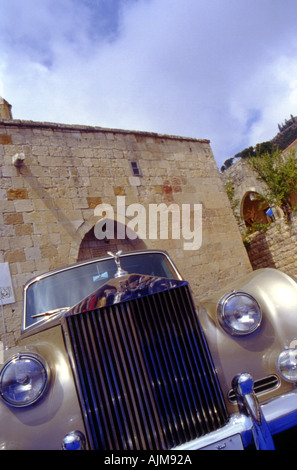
<point>220,313</point>
<point>34,357</point>
<point>279,370</point>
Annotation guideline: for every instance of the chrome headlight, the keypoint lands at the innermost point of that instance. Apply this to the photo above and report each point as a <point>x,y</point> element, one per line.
<point>23,380</point>
<point>287,364</point>
<point>239,313</point>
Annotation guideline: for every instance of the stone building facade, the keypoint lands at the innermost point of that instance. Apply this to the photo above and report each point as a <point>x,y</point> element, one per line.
<point>274,245</point>
<point>247,190</point>
<point>54,176</point>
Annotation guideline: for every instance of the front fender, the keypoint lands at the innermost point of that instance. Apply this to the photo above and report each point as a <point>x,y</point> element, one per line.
<point>43,425</point>
<point>256,353</point>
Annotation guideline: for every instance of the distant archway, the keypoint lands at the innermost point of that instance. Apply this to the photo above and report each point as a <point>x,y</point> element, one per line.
<point>254,209</point>
<point>91,247</point>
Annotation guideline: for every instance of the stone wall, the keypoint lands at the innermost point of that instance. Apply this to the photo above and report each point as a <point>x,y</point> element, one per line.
<point>5,109</point>
<point>244,181</point>
<point>243,178</point>
<point>48,203</point>
<point>276,247</point>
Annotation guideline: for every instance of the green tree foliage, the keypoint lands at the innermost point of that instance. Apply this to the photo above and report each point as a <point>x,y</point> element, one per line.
<point>246,153</point>
<point>249,152</point>
<point>264,147</point>
<point>279,173</point>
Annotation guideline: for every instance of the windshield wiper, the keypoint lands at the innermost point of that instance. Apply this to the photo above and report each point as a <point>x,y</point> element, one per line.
<point>51,312</point>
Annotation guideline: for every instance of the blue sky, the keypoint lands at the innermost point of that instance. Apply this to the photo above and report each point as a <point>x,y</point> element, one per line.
<point>224,70</point>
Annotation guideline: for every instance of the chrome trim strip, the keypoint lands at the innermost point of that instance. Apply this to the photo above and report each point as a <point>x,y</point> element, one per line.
<point>281,412</point>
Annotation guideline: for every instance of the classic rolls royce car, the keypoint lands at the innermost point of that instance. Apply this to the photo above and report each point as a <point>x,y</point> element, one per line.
<point>115,355</point>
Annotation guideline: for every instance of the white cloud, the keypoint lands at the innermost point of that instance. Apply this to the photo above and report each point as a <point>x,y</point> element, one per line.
<point>273,93</point>
<point>224,70</point>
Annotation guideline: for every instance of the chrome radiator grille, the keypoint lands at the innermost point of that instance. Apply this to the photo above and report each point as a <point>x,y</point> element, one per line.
<point>144,373</point>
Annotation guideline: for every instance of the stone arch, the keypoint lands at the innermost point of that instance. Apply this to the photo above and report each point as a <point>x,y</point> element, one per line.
<point>253,209</point>
<point>91,247</point>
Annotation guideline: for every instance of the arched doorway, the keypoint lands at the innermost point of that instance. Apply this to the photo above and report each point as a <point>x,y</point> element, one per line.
<point>254,209</point>
<point>91,247</point>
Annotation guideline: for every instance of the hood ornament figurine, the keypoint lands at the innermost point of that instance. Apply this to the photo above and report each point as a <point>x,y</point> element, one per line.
<point>120,272</point>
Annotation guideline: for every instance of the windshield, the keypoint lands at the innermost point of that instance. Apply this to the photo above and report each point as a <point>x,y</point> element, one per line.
<point>69,286</point>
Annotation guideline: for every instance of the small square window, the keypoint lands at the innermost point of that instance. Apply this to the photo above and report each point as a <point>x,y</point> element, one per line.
<point>136,171</point>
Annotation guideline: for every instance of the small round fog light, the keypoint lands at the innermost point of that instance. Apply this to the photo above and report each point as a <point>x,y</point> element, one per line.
<point>75,440</point>
<point>287,364</point>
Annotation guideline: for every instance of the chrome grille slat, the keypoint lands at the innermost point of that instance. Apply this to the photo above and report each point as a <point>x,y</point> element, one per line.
<point>144,373</point>
<point>194,356</point>
<point>128,352</point>
<point>144,392</point>
<point>183,369</point>
<point>160,359</point>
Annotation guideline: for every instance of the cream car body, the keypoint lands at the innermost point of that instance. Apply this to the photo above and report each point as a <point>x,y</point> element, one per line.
<point>114,355</point>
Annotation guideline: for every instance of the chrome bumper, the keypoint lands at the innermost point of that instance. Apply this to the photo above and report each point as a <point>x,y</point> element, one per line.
<point>253,423</point>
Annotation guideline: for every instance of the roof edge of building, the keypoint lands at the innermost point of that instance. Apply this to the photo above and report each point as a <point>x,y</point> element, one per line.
<point>87,128</point>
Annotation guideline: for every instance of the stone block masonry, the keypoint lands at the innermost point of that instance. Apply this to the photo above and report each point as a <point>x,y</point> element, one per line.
<point>48,204</point>
<point>276,247</point>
